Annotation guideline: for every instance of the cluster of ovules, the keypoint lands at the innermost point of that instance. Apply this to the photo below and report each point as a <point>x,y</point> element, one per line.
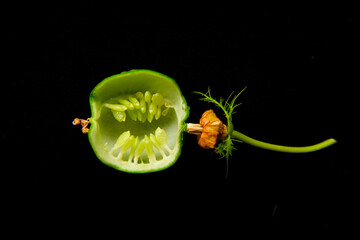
<point>140,107</point>
<point>126,142</point>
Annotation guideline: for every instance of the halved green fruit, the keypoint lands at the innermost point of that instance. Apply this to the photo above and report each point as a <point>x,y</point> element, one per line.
<point>132,113</point>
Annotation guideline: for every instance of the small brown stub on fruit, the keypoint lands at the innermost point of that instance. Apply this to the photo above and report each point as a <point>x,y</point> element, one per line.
<point>76,121</point>
<point>84,123</point>
<point>85,130</point>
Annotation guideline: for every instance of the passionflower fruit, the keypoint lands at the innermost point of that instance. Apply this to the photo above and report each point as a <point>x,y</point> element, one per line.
<point>137,120</point>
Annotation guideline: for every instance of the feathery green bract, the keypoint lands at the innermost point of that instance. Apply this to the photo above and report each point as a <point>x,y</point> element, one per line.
<point>225,147</point>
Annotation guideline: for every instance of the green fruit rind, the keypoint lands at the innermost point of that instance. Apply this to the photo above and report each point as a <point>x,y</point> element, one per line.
<point>127,84</point>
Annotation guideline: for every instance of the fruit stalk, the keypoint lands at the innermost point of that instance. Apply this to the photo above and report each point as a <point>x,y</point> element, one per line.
<point>197,130</point>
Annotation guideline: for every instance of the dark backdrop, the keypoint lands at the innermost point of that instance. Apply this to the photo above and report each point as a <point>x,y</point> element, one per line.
<point>295,63</point>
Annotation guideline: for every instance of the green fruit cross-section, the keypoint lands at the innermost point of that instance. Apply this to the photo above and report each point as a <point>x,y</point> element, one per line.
<point>136,121</point>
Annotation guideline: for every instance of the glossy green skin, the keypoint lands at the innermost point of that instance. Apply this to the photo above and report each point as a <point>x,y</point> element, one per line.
<point>104,130</point>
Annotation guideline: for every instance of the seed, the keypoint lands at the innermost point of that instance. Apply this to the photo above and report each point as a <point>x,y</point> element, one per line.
<point>143,105</point>
<point>148,96</point>
<point>126,146</point>
<point>141,117</point>
<point>161,136</point>
<point>133,148</point>
<point>127,104</point>
<point>116,107</point>
<point>132,115</point>
<point>119,116</point>
<point>135,102</point>
<point>152,109</point>
<point>158,113</point>
<point>122,139</point>
<point>150,118</point>
<point>139,95</point>
<point>149,150</point>
<point>140,148</point>
<point>158,99</point>
<point>156,144</point>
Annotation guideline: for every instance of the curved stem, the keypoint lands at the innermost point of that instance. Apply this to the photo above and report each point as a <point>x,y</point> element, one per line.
<point>280,148</point>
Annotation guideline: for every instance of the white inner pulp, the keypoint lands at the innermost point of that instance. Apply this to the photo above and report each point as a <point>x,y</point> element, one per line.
<point>139,128</point>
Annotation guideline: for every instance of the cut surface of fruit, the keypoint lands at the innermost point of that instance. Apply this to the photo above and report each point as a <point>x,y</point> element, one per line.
<point>137,119</point>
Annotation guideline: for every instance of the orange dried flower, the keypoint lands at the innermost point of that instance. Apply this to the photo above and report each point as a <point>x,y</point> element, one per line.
<point>213,130</point>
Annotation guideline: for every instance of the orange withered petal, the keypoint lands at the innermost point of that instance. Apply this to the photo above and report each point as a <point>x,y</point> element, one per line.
<point>213,129</point>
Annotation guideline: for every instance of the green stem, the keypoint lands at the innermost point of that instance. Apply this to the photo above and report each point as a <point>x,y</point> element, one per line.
<point>273,147</point>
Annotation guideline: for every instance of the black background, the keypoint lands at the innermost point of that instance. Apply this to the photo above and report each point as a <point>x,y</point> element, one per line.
<point>296,63</point>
